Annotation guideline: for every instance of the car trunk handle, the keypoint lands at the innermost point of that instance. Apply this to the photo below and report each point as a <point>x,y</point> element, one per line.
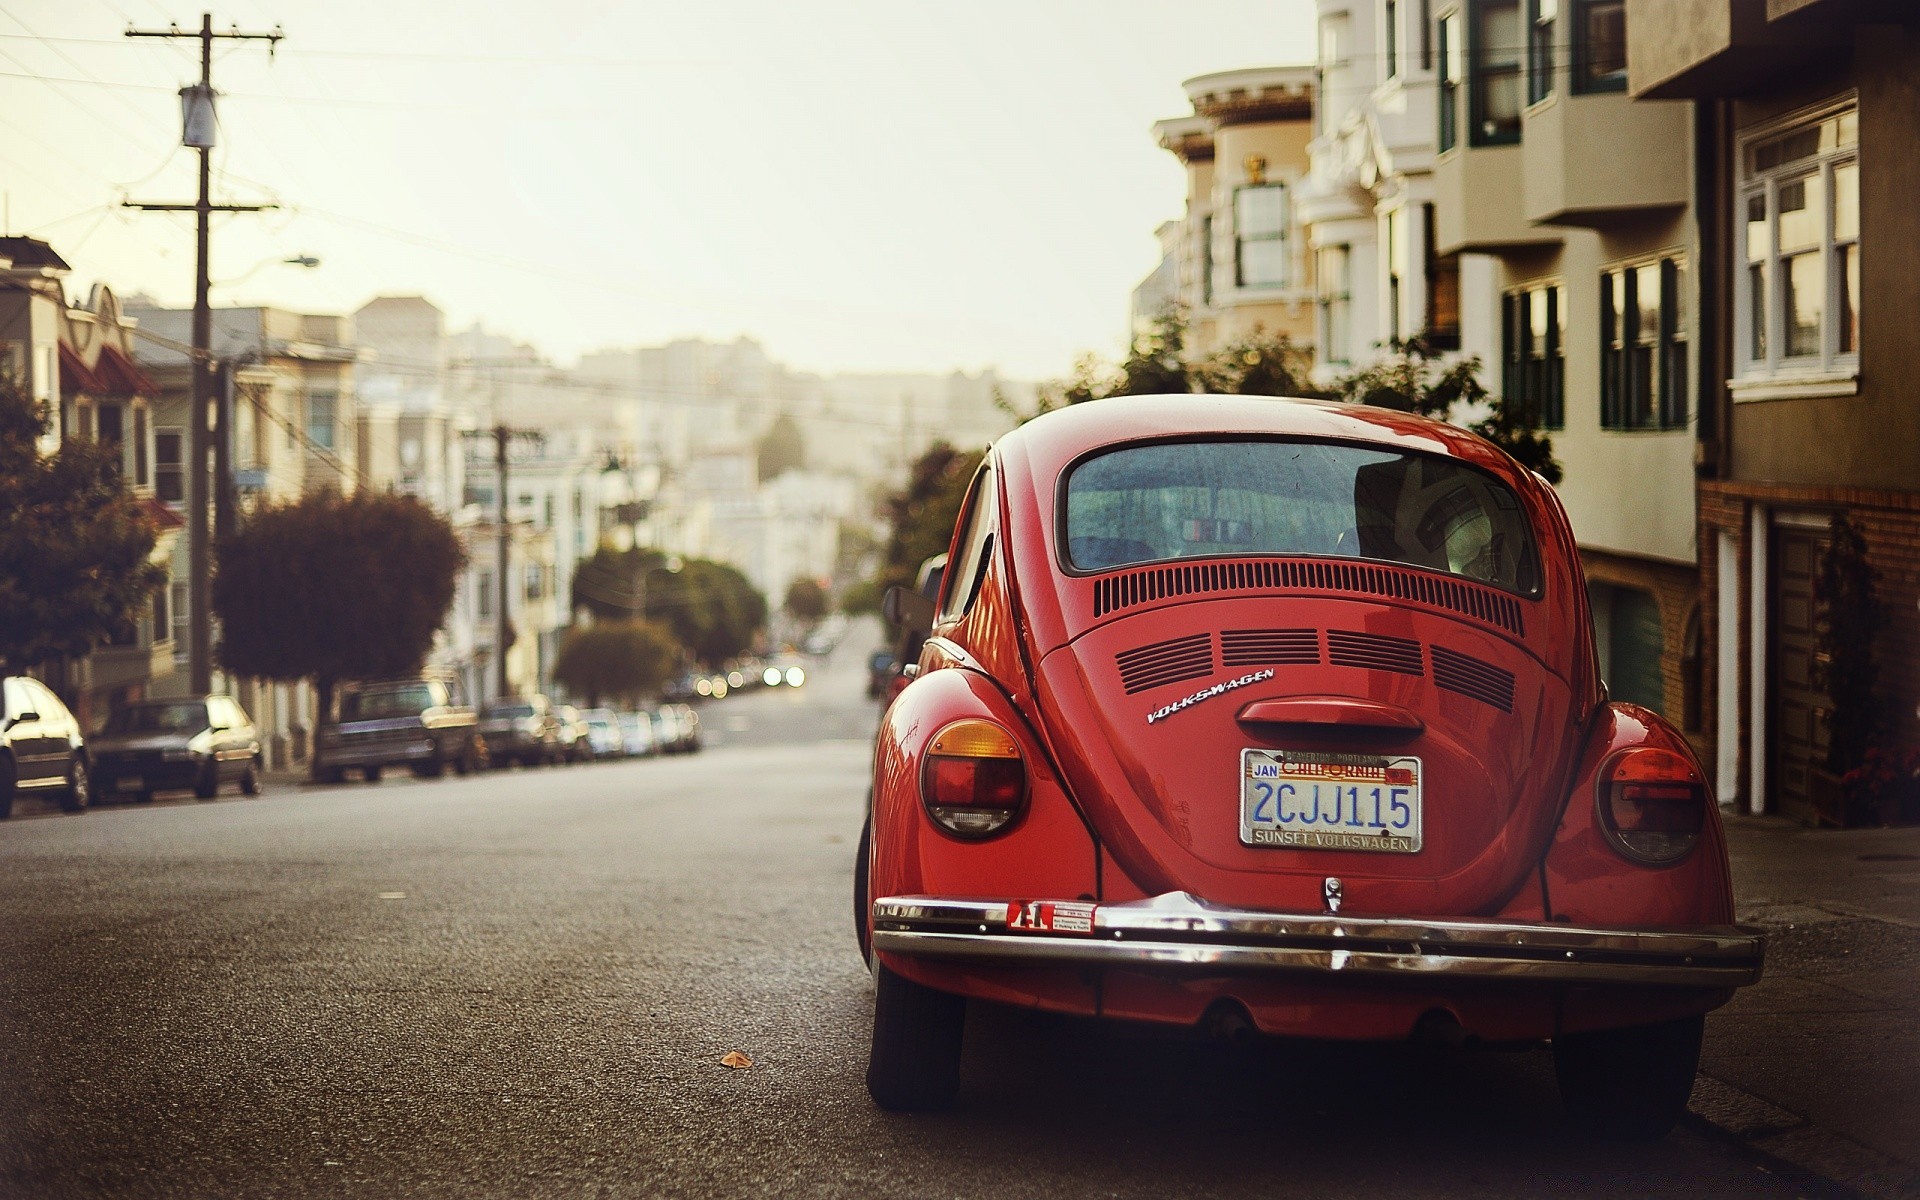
<point>1344,712</point>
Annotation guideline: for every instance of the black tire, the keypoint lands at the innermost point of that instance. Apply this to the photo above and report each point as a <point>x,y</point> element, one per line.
<point>250,779</point>
<point>6,788</point>
<point>862,889</point>
<point>144,796</point>
<point>1629,1084</point>
<point>914,1064</point>
<point>208,785</point>
<point>79,790</point>
<point>331,775</point>
<point>370,774</point>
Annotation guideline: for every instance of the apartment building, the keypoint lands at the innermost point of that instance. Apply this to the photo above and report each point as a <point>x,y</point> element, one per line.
<point>1239,257</point>
<point>79,360</point>
<point>1804,117</point>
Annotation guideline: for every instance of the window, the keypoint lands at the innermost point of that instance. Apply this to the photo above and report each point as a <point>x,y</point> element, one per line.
<point>140,445</point>
<point>181,617</point>
<point>534,578</point>
<point>1540,19</point>
<point>483,594</point>
<point>109,423</point>
<point>1599,46</point>
<point>1800,212</point>
<point>1183,500</point>
<point>975,545</point>
<point>1260,235</point>
<point>1206,260</point>
<point>322,416</point>
<point>1453,69</point>
<point>170,465</point>
<point>1443,289</point>
<point>1390,21</point>
<point>1533,353</point>
<point>160,614</point>
<point>1644,380</point>
<point>1426,35</point>
<point>1493,92</point>
<point>1336,294</point>
<point>1396,270</point>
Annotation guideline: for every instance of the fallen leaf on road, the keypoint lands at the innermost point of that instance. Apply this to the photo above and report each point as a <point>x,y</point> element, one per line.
<point>736,1060</point>
<point>393,895</point>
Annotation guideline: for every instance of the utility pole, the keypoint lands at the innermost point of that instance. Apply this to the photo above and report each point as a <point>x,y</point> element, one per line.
<point>196,110</point>
<point>503,436</point>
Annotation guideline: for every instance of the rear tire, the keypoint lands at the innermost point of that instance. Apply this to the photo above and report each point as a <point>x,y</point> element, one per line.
<point>208,785</point>
<point>250,780</point>
<point>332,775</point>
<point>862,893</point>
<point>914,1064</point>
<point>79,790</point>
<point>1629,1084</point>
<point>6,789</point>
<point>370,774</point>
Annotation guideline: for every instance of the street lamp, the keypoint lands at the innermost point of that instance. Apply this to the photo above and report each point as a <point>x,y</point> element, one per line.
<point>305,261</point>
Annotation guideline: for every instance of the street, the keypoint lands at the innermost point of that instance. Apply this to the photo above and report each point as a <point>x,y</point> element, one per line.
<point>523,983</point>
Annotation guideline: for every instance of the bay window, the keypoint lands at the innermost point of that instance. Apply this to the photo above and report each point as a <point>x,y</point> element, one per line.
<point>1260,218</point>
<point>1644,382</point>
<point>1494,86</point>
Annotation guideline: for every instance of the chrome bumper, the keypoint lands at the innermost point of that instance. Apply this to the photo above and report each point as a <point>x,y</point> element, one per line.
<point>1180,933</point>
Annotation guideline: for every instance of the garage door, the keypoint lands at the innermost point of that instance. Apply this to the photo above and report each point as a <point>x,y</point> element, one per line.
<point>1796,722</point>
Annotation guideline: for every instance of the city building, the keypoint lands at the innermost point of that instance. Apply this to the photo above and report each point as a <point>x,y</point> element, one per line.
<point>1803,117</point>
<point>1239,255</point>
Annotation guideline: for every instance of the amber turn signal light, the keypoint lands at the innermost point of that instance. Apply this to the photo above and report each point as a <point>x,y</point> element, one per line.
<point>1653,804</point>
<point>974,780</point>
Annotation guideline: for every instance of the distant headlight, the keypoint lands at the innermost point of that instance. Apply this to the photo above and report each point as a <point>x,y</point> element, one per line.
<point>736,679</point>
<point>719,689</point>
<point>770,677</point>
<point>703,686</point>
<point>795,677</point>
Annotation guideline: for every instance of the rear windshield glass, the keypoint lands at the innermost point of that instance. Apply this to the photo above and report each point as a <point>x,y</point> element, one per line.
<point>1195,499</point>
<point>386,702</point>
<point>159,718</point>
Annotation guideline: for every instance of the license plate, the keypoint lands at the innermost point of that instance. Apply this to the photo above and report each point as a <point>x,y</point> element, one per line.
<point>132,783</point>
<point>1300,800</point>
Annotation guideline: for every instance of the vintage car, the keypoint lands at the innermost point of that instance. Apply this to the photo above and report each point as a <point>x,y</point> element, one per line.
<point>1286,715</point>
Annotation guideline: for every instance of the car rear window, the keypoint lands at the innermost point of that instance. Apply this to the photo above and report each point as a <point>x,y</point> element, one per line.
<point>373,703</point>
<point>1153,503</point>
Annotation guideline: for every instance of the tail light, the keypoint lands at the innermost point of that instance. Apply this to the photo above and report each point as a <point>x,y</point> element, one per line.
<point>974,781</point>
<point>1653,804</point>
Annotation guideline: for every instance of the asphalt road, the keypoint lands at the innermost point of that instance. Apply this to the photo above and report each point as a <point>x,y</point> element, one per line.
<point>522,985</point>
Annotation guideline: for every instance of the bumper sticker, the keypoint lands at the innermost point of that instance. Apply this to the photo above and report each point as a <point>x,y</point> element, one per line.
<point>1050,916</point>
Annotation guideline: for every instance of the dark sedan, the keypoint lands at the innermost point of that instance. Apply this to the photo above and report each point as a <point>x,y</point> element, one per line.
<point>197,742</point>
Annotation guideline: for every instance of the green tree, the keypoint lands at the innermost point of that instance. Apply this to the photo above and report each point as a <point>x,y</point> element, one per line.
<point>331,588</point>
<point>781,449</point>
<point>628,660</point>
<point>920,515</point>
<point>710,608</point>
<point>1413,377</point>
<point>806,600</point>
<point>75,548</point>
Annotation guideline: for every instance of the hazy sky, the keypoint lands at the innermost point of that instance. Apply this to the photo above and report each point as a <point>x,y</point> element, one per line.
<point>860,184</point>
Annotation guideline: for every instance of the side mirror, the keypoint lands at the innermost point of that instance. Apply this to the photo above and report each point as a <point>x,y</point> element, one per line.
<point>908,610</point>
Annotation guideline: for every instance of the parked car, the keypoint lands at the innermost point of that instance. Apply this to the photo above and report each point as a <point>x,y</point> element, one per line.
<point>604,738</point>
<point>197,742</point>
<point>691,738</point>
<point>1286,713</point>
<point>41,747</point>
<point>666,728</point>
<point>521,729</point>
<point>574,743</point>
<point>636,729</point>
<point>423,723</point>
<point>881,666</point>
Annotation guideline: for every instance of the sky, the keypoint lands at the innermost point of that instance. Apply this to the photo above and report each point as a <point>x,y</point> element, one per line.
<point>860,185</point>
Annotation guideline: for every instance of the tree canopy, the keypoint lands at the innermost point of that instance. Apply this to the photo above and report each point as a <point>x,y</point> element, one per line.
<point>806,600</point>
<point>1159,362</point>
<point>332,588</point>
<point>627,660</point>
<point>781,448</point>
<point>76,548</point>
<point>710,608</point>
<point>920,515</point>
<point>1413,377</point>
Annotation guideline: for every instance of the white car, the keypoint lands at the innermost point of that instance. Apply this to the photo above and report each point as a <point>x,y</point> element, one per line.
<point>636,730</point>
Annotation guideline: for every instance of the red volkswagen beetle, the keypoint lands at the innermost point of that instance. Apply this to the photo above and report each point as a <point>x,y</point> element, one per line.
<point>1285,712</point>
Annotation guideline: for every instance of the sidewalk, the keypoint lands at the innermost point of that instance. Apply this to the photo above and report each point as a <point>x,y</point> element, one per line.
<point>1819,1063</point>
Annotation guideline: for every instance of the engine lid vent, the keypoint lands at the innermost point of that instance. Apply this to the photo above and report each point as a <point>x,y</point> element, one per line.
<point>1125,589</point>
<point>1269,647</point>
<point>1467,675</point>
<point>1373,651</point>
<point>1170,661</point>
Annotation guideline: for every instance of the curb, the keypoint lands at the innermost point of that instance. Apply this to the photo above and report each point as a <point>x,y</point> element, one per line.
<point>1789,1139</point>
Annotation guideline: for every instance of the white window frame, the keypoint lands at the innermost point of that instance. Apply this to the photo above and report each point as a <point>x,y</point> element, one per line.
<point>1774,376</point>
